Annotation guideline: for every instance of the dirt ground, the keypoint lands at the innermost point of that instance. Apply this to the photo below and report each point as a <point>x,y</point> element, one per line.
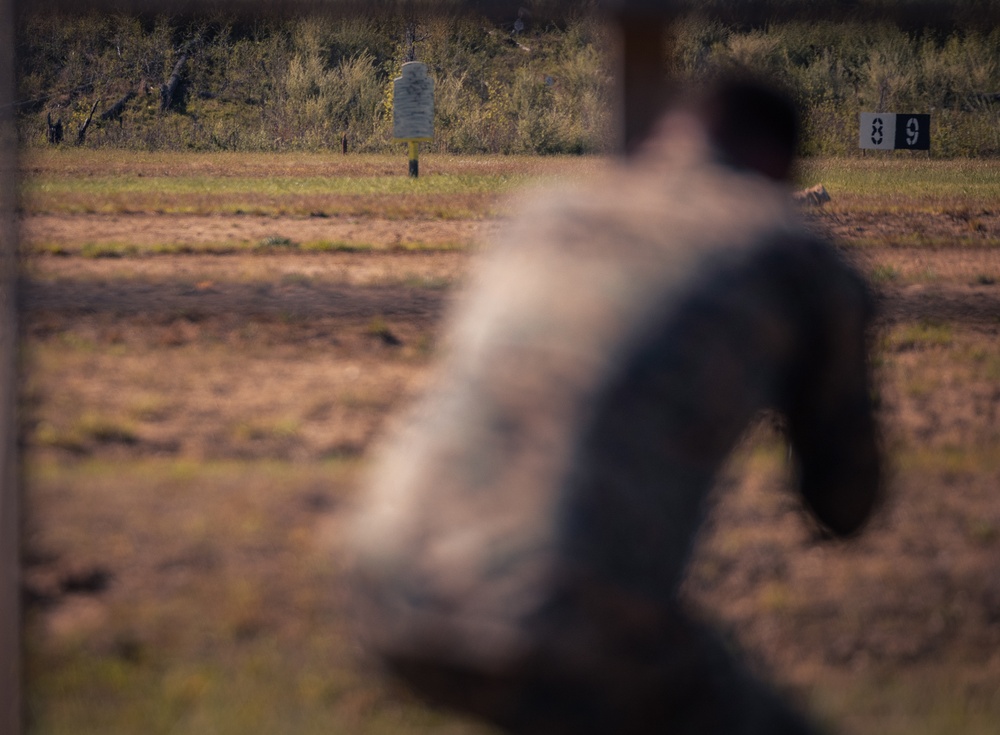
<point>151,229</point>
<point>300,356</point>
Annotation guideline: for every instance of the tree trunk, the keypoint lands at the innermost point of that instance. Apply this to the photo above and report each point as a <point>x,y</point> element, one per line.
<point>168,92</point>
<point>55,131</point>
<point>115,111</point>
<point>410,40</point>
<point>81,134</point>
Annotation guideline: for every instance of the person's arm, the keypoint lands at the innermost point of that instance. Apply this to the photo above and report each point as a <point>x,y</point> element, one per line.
<point>831,421</point>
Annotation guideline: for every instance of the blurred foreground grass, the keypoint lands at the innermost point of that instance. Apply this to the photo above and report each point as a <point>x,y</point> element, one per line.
<point>226,611</point>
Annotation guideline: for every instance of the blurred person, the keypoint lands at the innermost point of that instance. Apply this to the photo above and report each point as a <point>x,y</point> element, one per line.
<point>521,545</point>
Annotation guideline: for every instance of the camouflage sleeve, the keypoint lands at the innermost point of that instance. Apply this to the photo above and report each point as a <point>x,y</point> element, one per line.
<point>831,420</point>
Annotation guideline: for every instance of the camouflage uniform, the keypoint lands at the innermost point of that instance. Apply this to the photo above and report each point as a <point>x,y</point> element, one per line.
<point>521,547</point>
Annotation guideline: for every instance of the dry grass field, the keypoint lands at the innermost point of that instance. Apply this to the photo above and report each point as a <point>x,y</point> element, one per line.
<point>211,343</point>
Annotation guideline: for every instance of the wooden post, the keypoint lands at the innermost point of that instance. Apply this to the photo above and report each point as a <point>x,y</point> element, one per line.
<point>643,68</point>
<point>10,501</point>
<point>414,156</point>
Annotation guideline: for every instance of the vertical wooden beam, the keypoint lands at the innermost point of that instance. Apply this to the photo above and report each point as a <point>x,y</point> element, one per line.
<point>10,511</point>
<point>414,150</point>
<point>642,73</point>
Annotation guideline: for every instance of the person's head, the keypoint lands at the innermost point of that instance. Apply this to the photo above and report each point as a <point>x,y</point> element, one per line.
<point>752,125</point>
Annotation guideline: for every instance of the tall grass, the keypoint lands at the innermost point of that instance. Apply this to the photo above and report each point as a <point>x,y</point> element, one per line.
<point>839,70</point>
<point>302,84</point>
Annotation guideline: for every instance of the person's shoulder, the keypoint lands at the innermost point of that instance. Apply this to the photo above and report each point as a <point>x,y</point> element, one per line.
<point>821,275</point>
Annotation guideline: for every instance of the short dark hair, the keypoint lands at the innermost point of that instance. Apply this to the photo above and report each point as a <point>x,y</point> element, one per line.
<point>752,124</point>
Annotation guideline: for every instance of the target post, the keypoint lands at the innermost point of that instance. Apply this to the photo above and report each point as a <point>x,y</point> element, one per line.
<point>413,110</point>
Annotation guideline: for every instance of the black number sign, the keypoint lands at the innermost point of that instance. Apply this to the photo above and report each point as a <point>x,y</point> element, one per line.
<point>913,132</point>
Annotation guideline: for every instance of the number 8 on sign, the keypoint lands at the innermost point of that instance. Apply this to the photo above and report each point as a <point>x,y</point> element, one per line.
<point>877,131</point>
